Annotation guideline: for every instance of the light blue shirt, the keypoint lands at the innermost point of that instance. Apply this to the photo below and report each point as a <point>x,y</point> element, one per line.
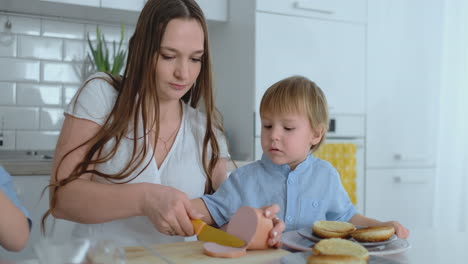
<point>6,186</point>
<point>311,192</point>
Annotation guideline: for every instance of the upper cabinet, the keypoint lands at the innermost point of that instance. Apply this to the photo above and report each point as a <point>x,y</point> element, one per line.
<point>330,53</point>
<point>95,3</point>
<point>266,41</point>
<point>135,5</point>
<point>112,11</point>
<point>404,58</point>
<point>345,10</point>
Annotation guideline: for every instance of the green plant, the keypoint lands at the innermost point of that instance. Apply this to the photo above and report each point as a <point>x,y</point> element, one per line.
<point>100,53</point>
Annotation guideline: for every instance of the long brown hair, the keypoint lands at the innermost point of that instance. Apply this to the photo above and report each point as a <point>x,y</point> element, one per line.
<point>137,99</point>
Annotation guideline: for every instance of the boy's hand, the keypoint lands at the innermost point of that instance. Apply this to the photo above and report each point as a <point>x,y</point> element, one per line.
<point>278,225</point>
<point>400,230</point>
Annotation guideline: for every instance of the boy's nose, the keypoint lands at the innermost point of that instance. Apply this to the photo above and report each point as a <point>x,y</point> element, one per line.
<point>275,135</point>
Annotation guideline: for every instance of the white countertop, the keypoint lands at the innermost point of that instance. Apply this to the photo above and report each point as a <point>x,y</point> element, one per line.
<point>435,246</point>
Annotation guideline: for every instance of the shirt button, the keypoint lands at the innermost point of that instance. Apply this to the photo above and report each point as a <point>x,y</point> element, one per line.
<point>289,218</point>
<point>315,204</point>
<point>290,181</point>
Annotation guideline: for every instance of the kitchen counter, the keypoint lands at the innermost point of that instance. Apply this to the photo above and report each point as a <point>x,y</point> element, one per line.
<point>19,163</point>
<point>27,162</point>
<point>427,246</point>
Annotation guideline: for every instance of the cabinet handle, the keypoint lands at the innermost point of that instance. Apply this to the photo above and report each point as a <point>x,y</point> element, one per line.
<point>398,179</point>
<point>400,157</point>
<point>307,6</point>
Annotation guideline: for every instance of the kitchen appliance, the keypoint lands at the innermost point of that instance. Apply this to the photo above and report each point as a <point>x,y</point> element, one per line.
<point>344,149</point>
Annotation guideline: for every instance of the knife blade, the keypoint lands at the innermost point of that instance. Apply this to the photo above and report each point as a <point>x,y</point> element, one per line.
<point>208,233</point>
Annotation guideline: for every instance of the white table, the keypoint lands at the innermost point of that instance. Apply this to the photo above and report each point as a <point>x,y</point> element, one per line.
<point>435,246</point>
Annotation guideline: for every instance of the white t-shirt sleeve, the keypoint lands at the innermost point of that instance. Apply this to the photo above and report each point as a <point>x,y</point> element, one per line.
<point>223,148</point>
<point>94,101</point>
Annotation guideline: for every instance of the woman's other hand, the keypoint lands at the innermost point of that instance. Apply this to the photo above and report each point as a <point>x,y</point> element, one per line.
<point>168,209</point>
<point>278,225</point>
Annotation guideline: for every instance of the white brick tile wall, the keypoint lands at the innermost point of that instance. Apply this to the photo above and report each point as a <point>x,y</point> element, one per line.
<point>7,45</point>
<point>40,48</point>
<point>38,94</point>
<point>111,33</point>
<point>7,93</point>
<point>36,140</point>
<point>62,72</point>
<point>9,138</point>
<point>40,71</point>
<point>13,69</point>
<point>19,117</point>
<point>51,118</point>
<point>74,50</point>
<point>61,29</point>
<point>22,25</point>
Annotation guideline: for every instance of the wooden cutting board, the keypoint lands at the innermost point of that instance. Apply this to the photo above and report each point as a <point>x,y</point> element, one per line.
<point>192,252</point>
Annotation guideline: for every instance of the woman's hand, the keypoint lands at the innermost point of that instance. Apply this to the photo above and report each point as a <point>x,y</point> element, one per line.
<point>400,230</point>
<point>168,209</point>
<point>278,225</point>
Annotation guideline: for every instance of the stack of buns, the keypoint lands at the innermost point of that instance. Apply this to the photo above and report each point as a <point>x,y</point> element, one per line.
<point>338,251</point>
<point>338,229</point>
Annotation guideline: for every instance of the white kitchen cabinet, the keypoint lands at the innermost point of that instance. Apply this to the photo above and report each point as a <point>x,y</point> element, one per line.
<point>346,10</point>
<point>405,195</point>
<point>330,53</point>
<point>403,80</point>
<point>106,11</point>
<point>259,47</point>
<point>95,3</point>
<point>130,5</point>
<point>29,191</point>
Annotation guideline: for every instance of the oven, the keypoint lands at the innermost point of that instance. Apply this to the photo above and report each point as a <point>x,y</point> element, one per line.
<point>344,148</point>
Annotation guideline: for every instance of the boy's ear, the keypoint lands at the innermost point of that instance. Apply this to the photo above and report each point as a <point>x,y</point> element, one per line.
<point>317,135</point>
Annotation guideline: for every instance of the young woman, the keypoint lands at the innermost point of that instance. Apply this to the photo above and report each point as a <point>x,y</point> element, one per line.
<point>134,149</point>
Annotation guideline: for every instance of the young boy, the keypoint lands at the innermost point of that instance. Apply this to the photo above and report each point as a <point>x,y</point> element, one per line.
<point>294,122</point>
<point>14,219</point>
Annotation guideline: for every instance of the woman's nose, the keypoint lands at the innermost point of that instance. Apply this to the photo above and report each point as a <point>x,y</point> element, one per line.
<point>182,70</point>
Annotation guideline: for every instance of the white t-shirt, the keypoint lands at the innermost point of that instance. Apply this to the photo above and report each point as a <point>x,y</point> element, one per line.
<point>182,168</point>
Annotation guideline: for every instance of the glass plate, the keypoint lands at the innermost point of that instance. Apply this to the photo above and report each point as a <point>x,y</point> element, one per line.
<point>294,241</point>
<point>301,258</point>
<point>307,233</point>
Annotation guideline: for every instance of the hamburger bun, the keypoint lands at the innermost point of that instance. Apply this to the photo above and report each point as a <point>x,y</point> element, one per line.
<point>334,259</point>
<point>340,247</point>
<point>332,229</point>
<point>373,234</point>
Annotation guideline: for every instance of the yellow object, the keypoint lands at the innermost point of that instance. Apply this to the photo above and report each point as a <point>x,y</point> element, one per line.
<point>343,157</point>
<point>208,233</point>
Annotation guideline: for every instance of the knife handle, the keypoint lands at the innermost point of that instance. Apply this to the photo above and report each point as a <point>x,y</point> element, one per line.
<point>198,226</point>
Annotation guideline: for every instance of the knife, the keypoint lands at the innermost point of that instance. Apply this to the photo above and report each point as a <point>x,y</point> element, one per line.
<point>208,233</point>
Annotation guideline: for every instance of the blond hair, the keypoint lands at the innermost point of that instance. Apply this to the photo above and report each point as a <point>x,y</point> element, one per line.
<point>297,94</point>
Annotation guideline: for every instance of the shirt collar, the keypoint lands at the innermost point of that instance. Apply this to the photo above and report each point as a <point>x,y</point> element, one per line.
<point>284,168</point>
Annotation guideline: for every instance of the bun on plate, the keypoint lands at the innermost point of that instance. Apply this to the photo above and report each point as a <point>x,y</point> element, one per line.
<point>335,259</point>
<point>341,247</point>
<point>332,229</point>
<point>373,234</point>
